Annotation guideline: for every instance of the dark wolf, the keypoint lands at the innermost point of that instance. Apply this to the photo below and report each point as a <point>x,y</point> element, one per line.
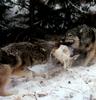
<point>82,40</point>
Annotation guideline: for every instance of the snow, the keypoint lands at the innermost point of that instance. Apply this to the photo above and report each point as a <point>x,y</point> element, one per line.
<point>15,11</point>
<point>78,83</point>
<point>16,17</point>
<point>57,6</point>
<point>89,7</point>
<point>92,9</point>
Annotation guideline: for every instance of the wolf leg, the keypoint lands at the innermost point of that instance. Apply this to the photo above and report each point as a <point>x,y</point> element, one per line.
<point>89,57</point>
<point>5,72</point>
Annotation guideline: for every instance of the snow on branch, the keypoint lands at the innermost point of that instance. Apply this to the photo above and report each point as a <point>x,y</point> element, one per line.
<point>78,8</point>
<point>90,9</point>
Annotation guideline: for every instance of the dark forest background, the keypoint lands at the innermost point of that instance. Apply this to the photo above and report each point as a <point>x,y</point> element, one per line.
<point>22,20</point>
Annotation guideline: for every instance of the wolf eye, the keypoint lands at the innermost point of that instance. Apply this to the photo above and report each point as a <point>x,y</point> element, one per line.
<point>70,35</point>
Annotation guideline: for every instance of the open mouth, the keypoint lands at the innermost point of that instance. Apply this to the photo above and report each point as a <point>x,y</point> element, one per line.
<point>69,42</point>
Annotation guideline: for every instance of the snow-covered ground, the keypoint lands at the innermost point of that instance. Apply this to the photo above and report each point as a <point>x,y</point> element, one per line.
<point>78,83</point>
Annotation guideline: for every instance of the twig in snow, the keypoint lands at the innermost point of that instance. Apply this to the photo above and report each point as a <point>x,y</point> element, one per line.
<point>36,96</point>
<point>42,94</point>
